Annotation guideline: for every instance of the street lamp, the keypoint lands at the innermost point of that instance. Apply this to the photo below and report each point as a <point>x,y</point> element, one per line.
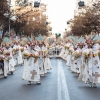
<point>8,15</point>
<point>1,31</point>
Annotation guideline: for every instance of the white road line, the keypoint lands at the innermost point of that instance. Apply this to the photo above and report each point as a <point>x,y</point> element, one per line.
<point>59,84</point>
<point>62,85</point>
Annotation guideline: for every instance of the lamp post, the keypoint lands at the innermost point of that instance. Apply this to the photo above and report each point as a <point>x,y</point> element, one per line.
<point>1,31</point>
<point>9,5</point>
<point>9,26</point>
<point>9,16</point>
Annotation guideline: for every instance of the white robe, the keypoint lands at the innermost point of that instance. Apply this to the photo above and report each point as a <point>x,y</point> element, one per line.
<point>62,52</point>
<point>5,69</point>
<point>9,65</point>
<point>47,62</point>
<point>87,75</point>
<point>42,61</point>
<point>96,66</point>
<point>16,55</point>
<point>20,60</point>
<point>31,69</point>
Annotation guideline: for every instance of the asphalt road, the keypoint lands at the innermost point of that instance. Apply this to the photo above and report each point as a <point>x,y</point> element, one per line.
<point>58,84</point>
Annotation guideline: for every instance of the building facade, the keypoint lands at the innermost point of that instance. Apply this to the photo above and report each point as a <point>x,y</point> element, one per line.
<point>89,3</point>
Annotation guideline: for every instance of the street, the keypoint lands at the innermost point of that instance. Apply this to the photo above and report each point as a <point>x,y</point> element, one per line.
<point>58,84</point>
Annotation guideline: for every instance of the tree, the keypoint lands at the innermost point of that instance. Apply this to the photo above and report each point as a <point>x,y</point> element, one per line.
<point>24,23</point>
<point>3,10</point>
<point>35,28</point>
<point>87,21</point>
<point>3,7</point>
<point>34,22</point>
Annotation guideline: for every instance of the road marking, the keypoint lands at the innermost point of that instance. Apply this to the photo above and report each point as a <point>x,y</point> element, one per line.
<point>62,85</point>
<point>59,84</point>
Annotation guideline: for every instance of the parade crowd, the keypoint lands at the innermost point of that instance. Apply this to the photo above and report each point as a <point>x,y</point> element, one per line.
<point>83,59</point>
<point>32,55</point>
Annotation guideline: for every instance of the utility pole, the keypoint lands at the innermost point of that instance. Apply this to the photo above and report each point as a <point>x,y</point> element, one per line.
<point>9,24</point>
<point>9,15</point>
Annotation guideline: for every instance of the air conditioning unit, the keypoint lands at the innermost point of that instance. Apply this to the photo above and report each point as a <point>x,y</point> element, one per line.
<point>68,22</point>
<point>47,23</point>
<point>36,4</point>
<point>81,3</point>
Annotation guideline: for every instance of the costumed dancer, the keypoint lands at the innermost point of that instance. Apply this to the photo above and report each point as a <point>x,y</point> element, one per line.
<point>68,57</point>
<point>88,59</point>
<point>31,66</point>
<point>20,50</point>
<point>43,70</point>
<point>8,61</point>
<point>47,63</point>
<point>2,67</point>
<point>96,65</point>
<point>15,52</point>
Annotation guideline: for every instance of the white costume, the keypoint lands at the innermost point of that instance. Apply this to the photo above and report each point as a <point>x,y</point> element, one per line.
<point>96,64</point>
<point>42,61</point>
<point>9,64</point>
<point>31,68</point>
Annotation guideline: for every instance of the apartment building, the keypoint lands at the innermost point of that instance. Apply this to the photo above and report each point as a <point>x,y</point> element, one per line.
<point>80,4</point>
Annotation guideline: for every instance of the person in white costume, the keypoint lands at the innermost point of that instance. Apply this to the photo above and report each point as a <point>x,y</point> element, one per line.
<point>9,61</point>
<point>2,67</point>
<point>12,57</point>
<point>62,51</point>
<point>45,60</point>
<point>47,63</point>
<point>22,49</point>
<point>15,49</point>
<point>31,66</point>
<point>79,59</point>
<point>74,61</point>
<point>20,60</point>
<point>96,65</point>
<point>68,56</point>
<point>87,76</point>
<point>43,68</point>
<point>81,70</point>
